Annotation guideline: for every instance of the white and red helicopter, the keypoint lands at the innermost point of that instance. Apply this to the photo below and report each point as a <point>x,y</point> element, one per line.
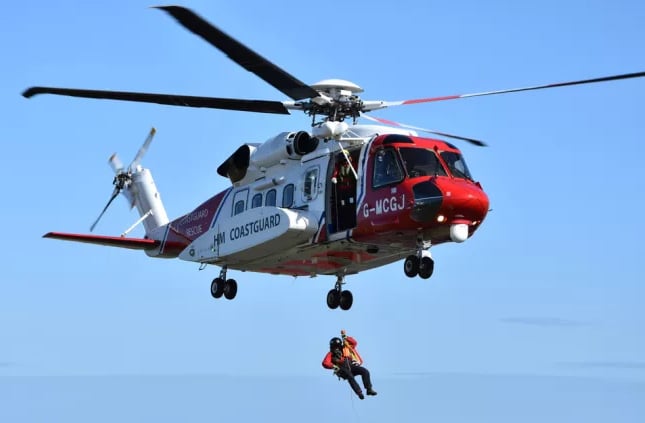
<point>337,200</point>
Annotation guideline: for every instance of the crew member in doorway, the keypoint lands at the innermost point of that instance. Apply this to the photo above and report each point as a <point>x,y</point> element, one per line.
<point>344,180</point>
<point>347,363</point>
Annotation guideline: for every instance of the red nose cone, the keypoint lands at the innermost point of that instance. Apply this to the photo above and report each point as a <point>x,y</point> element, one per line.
<point>464,201</point>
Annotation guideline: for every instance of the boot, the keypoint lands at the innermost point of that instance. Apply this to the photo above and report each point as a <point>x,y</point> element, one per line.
<point>370,391</point>
<point>360,395</point>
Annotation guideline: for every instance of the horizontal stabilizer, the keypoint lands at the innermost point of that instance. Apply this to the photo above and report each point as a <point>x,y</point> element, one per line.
<point>111,241</point>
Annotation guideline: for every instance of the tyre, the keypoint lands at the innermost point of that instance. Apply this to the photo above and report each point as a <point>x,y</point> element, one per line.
<point>230,289</point>
<point>426,267</point>
<point>411,266</point>
<point>346,300</point>
<point>333,299</point>
<point>217,287</point>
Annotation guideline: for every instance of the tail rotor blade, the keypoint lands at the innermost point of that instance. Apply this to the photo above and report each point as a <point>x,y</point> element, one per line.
<point>115,163</point>
<point>142,150</point>
<point>115,193</point>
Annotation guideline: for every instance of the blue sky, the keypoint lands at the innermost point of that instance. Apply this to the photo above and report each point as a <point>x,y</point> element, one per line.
<point>550,287</point>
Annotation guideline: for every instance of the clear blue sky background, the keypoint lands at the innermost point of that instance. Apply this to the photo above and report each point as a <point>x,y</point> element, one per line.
<point>539,317</point>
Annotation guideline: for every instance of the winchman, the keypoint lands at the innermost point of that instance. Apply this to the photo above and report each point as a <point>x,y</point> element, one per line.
<point>344,180</point>
<point>346,362</point>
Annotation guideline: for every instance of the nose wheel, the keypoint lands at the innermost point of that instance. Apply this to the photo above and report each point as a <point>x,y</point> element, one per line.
<point>337,297</point>
<point>411,266</point>
<point>223,287</point>
<point>426,267</point>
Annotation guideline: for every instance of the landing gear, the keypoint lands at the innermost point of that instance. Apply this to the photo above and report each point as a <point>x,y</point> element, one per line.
<point>337,297</point>
<point>221,286</point>
<point>420,264</point>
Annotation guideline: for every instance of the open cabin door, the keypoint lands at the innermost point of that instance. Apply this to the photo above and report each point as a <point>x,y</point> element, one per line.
<point>341,192</point>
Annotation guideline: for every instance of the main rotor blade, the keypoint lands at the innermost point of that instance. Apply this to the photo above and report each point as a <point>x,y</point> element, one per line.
<point>115,193</point>
<point>241,54</point>
<point>514,90</point>
<point>260,106</point>
<point>416,128</point>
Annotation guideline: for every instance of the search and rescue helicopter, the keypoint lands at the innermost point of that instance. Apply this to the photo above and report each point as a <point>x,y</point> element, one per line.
<point>337,200</point>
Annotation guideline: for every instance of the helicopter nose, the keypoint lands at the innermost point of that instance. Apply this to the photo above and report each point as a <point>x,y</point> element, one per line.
<point>459,204</point>
<point>465,207</point>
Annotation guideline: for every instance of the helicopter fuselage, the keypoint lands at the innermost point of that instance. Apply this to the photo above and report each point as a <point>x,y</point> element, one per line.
<point>296,217</point>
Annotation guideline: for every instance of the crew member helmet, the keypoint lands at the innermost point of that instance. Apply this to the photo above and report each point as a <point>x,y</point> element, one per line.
<point>335,343</point>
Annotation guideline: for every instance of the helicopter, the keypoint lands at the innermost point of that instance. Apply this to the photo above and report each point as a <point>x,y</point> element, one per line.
<point>336,200</point>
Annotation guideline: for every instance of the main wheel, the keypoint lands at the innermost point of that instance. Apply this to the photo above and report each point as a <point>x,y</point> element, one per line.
<point>411,266</point>
<point>426,267</point>
<point>217,287</point>
<point>346,300</point>
<point>230,289</point>
<point>333,299</point>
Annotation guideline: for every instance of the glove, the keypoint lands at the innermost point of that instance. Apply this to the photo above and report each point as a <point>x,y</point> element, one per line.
<point>338,371</point>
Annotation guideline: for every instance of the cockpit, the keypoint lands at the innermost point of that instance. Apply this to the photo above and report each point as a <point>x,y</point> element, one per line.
<point>416,162</point>
<point>456,164</point>
<point>421,162</point>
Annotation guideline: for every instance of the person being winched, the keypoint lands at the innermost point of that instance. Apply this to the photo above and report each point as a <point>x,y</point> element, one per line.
<point>347,363</point>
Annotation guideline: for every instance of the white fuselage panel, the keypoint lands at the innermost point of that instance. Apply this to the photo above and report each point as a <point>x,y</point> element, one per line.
<point>255,233</point>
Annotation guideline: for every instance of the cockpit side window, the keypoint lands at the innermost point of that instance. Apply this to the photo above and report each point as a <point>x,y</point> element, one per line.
<point>310,188</point>
<point>421,162</point>
<point>387,169</point>
<point>456,165</point>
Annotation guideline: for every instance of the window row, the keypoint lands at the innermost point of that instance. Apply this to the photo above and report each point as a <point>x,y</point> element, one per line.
<point>270,198</point>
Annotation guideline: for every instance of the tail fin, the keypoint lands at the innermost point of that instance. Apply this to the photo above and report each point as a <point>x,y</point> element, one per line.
<point>142,193</point>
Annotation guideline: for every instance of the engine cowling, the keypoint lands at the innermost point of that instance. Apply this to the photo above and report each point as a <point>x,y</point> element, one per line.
<point>236,165</point>
<point>287,145</point>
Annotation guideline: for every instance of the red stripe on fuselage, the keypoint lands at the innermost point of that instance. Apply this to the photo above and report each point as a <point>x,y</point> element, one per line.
<point>190,226</point>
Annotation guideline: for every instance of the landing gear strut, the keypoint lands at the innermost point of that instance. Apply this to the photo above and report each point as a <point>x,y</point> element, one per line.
<point>420,264</point>
<point>221,286</point>
<point>337,297</point>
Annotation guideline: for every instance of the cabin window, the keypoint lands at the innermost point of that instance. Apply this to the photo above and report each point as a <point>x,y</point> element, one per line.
<point>239,201</point>
<point>421,162</point>
<point>387,169</point>
<point>239,207</point>
<point>287,196</point>
<point>270,198</point>
<point>456,164</point>
<point>256,201</point>
<point>310,187</point>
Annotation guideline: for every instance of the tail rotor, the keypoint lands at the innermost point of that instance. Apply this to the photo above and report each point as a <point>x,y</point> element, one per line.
<point>123,176</point>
